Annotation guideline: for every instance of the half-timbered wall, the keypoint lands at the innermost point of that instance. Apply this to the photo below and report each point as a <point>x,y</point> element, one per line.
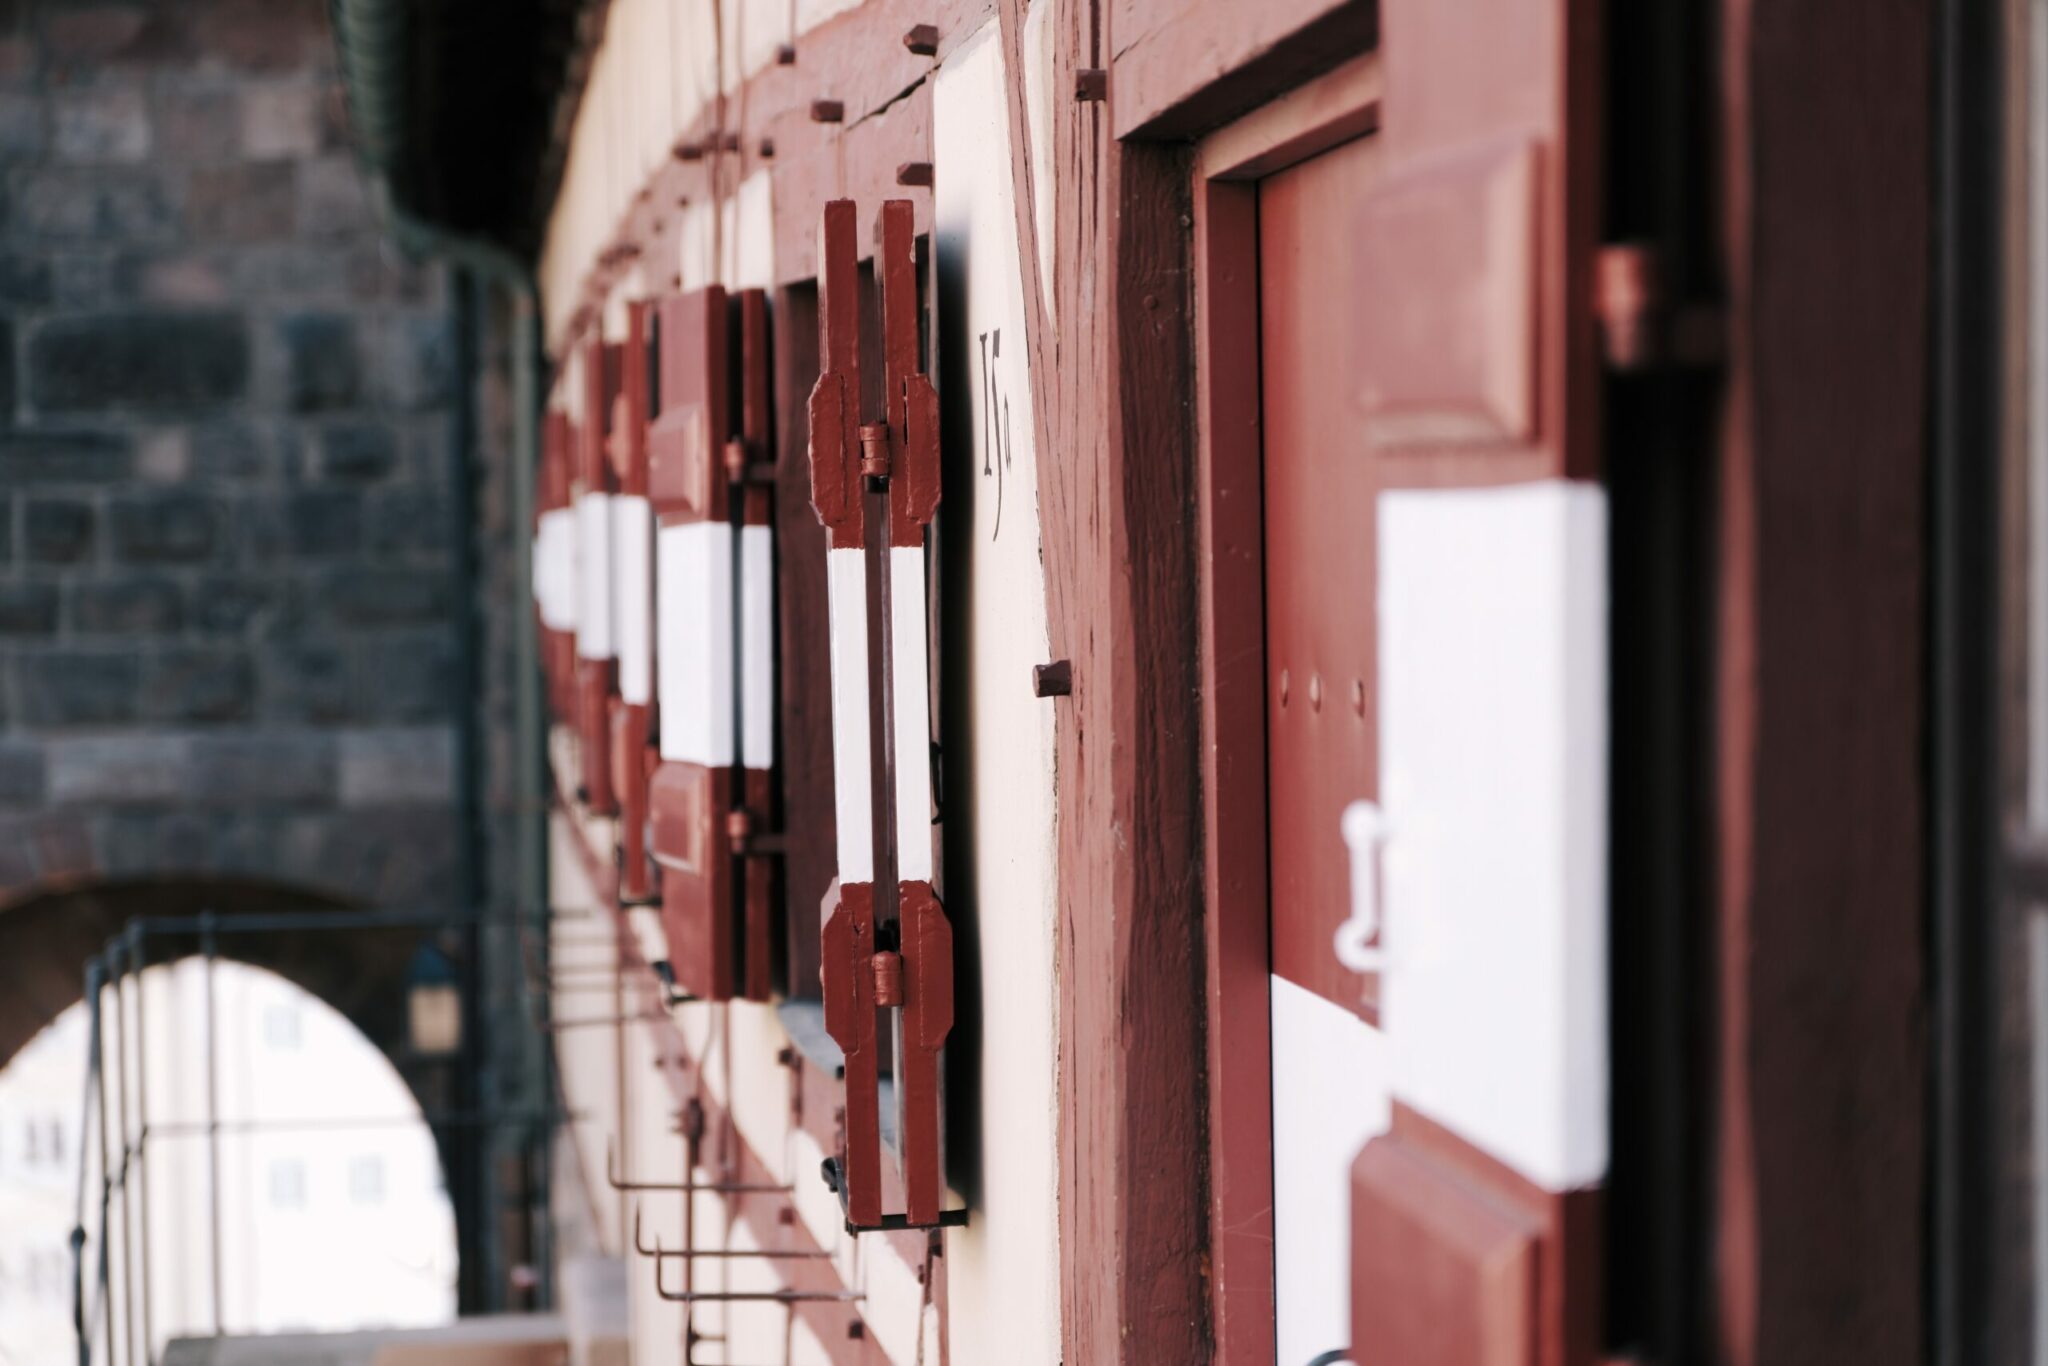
<point>1111,201</point>
<point>702,155</point>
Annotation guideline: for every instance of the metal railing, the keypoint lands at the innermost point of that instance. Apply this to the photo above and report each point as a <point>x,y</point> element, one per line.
<point>112,1303</point>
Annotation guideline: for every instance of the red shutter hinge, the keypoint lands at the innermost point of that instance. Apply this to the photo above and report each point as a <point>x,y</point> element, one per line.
<point>1642,327</point>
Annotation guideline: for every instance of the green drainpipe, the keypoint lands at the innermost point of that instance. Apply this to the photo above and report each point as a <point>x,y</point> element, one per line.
<point>371,38</point>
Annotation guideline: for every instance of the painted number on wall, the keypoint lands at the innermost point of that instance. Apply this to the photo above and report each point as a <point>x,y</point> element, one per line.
<point>995,420</point>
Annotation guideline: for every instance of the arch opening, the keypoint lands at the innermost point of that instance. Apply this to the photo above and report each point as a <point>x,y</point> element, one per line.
<point>293,1185</point>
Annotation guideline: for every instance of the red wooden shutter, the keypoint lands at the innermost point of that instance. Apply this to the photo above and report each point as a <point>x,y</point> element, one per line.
<point>886,942</point>
<point>554,567</point>
<point>693,785</point>
<point>1475,1217</point>
<point>751,466</point>
<point>597,662</point>
<point>633,589</point>
<point>713,798</point>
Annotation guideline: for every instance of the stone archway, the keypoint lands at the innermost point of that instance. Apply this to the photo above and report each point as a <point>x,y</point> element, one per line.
<point>49,932</point>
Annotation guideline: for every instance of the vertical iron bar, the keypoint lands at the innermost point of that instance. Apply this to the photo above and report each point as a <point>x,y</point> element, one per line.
<point>481,1275</point>
<point>531,751</point>
<point>137,962</point>
<point>79,1322</point>
<point>99,1067</point>
<point>210,949</point>
<point>619,1075</point>
<point>1980,304</point>
<point>123,964</point>
<point>692,1155</point>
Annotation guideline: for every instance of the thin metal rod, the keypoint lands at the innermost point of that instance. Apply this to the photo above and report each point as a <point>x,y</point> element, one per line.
<point>348,1123</point>
<point>106,1164</point>
<point>210,948</point>
<point>693,1152</point>
<point>557,1026</point>
<point>751,1296</point>
<point>766,1254</point>
<point>612,1178</point>
<point>120,960</point>
<point>138,963</point>
<point>81,1321</point>
<point>265,922</point>
<point>623,1128</point>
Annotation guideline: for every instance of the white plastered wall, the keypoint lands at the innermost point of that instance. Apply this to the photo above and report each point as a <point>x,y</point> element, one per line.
<point>1005,1268</point>
<point>661,65</point>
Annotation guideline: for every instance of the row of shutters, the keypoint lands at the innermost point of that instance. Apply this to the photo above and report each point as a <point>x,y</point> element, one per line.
<point>654,582</point>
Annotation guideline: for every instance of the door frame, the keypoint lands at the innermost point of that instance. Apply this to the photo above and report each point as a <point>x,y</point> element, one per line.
<point>1317,116</point>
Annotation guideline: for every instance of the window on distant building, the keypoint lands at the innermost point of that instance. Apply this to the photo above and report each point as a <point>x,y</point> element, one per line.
<point>288,1184</point>
<point>281,1026</point>
<point>366,1180</point>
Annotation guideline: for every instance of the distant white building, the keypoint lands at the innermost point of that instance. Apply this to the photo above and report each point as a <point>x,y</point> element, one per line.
<point>332,1208</point>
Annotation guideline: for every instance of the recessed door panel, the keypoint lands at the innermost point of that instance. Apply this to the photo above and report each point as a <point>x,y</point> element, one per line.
<point>1321,694</point>
<point>1329,1065</point>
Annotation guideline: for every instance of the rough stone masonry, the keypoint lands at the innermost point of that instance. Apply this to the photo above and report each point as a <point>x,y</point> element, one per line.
<point>228,614</point>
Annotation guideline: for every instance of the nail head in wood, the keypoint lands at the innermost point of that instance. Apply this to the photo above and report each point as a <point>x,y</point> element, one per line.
<point>786,55</point>
<point>767,149</point>
<point>1052,680</point>
<point>827,111</point>
<point>914,173</point>
<point>729,142</point>
<point>1091,84</point>
<point>689,151</point>
<point>923,40</point>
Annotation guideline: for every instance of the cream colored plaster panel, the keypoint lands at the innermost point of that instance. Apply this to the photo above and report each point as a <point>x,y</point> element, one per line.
<point>761,1109</point>
<point>819,1208</point>
<point>1038,116</point>
<point>811,13</point>
<point>648,935</point>
<point>697,260</point>
<point>653,1152</point>
<point>750,234</point>
<point>588,1062</point>
<point>569,386</point>
<point>1003,1269</point>
<point>895,1308</point>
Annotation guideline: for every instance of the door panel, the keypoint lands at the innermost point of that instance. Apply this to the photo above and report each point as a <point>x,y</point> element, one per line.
<point>1321,694</point>
<point>1329,1065</point>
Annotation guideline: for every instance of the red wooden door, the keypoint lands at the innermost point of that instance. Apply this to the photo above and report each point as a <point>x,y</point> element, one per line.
<point>1321,689</point>
<point>1322,694</point>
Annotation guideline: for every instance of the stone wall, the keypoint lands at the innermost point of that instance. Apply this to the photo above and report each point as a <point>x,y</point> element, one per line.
<point>229,614</point>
